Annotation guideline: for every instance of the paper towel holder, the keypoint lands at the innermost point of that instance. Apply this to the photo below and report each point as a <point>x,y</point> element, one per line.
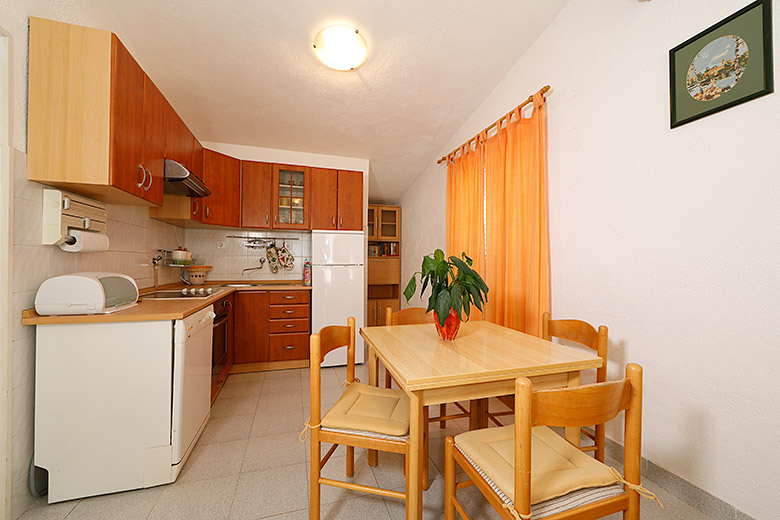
<point>63,211</point>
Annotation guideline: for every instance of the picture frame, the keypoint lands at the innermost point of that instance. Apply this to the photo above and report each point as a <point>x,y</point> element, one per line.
<point>700,86</point>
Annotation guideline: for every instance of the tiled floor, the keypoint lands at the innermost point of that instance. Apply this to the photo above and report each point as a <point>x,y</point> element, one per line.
<point>249,464</point>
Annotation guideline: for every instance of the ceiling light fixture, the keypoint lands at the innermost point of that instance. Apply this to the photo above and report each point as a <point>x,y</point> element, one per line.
<point>340,47</point>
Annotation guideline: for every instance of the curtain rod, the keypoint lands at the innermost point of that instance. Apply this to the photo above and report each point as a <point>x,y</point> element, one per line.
<point>508,115</point>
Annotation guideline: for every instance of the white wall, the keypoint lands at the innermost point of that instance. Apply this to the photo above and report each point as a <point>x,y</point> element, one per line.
<point>669,237</point>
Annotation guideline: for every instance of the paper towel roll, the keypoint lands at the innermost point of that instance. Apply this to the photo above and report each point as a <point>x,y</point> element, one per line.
<point>86,242</point>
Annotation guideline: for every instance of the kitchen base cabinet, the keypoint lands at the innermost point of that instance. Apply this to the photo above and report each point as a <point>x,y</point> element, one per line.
<point>287,347</point>
<point>250,327</point>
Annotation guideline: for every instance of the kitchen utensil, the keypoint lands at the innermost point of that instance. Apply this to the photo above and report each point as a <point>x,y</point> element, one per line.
<point>197,273</point>
<point>286,258</point>
<point>273,257</point>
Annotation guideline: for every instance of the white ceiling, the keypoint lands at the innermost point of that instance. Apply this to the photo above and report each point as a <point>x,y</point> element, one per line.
<point>243,72</point>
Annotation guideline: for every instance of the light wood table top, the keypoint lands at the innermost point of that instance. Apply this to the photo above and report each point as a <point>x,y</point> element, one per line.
<point>482,352</point>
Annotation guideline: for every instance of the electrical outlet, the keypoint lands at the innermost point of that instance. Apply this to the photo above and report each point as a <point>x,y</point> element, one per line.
<point>220,244</point>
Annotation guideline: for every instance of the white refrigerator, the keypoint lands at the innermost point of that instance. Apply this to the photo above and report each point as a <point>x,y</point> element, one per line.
<point>337,287</point>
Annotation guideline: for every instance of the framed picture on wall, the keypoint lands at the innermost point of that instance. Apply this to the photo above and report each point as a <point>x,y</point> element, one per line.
<point>722,66</point>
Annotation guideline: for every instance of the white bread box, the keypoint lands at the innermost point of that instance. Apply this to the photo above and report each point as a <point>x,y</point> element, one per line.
<point>86,293</point>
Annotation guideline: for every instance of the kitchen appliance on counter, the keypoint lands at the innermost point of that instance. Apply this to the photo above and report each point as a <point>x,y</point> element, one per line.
<point>86,293</point>
<point>187,292</point>
<point>120,405</point>
<point>338,291</point>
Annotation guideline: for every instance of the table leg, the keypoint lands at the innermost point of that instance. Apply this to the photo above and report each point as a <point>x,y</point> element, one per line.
<point>416,452</point>
<point>373,455</point>
<point>573,434</point>
<point>478,414</point>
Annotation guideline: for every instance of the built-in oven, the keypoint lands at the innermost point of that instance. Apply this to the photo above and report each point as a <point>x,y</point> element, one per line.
<point>221,336</point>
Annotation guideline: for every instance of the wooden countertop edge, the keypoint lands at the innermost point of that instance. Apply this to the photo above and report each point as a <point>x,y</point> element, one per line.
<point>154,310</point>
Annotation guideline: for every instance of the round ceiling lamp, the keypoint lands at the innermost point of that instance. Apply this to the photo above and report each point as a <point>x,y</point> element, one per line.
<point>340,47</point>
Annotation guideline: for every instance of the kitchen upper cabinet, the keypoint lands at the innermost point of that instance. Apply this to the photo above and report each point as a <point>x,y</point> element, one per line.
<point>388,223</point>
<point>350,200</point>
<point>153,156</point>
<point>291,197</point>
<point>179,142</point>
<point>88,112</point>
<point>250,327</point>
<point>222,174</point>
<point>256,194</point>
<point>324,200</point>
<point>336,200</point>
<point>371,224</point>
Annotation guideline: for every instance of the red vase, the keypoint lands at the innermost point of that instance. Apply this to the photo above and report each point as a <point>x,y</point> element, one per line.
<point>451,325</point>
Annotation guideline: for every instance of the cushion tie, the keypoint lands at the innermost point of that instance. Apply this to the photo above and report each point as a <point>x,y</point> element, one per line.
<point>346,383</point>
<point>515,513</point>
<point>643,491</point>
<point>305,432</point>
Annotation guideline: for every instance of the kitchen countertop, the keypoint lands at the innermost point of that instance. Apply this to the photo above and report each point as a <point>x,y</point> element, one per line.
<point>161,310</point>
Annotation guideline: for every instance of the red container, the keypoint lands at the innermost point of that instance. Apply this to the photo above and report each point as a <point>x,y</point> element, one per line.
<point>451,325</point>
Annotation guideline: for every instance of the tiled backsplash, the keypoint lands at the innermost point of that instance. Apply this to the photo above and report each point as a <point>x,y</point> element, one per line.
<point>229,256</point>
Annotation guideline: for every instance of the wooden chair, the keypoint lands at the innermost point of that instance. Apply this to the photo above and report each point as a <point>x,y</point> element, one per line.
<point>517,489</point>
<point>346,423</point>
<point>578,332</point>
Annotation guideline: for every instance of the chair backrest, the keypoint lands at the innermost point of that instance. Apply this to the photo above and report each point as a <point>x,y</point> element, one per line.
<point>577,406</point>
<point>327,339</point>
<point>582,333</point>
<point>410,316</point>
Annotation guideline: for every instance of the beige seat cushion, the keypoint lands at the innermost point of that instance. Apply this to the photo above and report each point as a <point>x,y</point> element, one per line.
<point>557,467</point>
<point>368,408</point>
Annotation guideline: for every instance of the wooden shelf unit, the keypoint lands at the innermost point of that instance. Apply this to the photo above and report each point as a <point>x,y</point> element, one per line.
<point>384,261</point>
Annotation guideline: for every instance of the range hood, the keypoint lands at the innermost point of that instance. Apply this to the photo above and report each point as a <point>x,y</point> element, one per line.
<point>180,181</point>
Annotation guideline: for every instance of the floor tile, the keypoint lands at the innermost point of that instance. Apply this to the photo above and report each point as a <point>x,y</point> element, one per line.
<point>249,376</point>
<point>433,503</point>
<point>226,429</point>
<point>336,469</point>
<point>364,506</point>
<point>214,460</point>
<point>239,388</point>
<point>203,499</point>
<point>131,505</point>
<point>231,406</point>
<point>277,421</point>
<point>271,451</point>
<point>270,492</point>
<point>40,510</point>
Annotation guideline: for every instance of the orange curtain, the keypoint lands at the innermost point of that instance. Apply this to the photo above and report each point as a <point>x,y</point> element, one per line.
<point>517,243</point>
<point>465,207</point>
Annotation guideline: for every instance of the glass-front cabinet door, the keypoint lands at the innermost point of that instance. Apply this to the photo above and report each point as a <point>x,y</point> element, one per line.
<point>389,223</point>
<point>372,211</point>
<point>291,197</point>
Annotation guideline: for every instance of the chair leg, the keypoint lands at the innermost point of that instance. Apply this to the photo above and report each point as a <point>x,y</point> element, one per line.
<point>426,443</point>
<point>350,461</point>
<point>449,479</point>
<point>442,413</point>
<point>407,479</point>
<point>388,379</point>
<point>314,475</point>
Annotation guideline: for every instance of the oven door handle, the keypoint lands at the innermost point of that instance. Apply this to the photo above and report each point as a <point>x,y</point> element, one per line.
<point>220,320</point>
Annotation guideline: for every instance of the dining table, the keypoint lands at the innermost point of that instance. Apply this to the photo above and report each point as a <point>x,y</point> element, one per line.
<point>482,361</point>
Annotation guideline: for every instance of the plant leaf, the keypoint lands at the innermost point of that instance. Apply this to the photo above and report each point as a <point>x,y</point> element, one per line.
<point>410,288</point>
<point>443,305</point>
<point>428,265</point>
<point>467,259</point>
<point>438,255</point>
<point>466,307</point>
<point>456,297</point>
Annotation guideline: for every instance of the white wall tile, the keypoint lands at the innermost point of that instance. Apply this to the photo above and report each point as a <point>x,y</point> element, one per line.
<point>21,499</point>
<point>28,218</point>
<point>30,268</point>
<point>23,450</point>
<point>22,400</point>
<point>21,301</point>
<point>22,361</point>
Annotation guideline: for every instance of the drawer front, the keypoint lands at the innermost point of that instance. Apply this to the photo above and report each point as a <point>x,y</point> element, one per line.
<point>286,347</point>
<point>288,297</point>
<point>277,312</point>
<point>384,271</point>
<point>289,325</point>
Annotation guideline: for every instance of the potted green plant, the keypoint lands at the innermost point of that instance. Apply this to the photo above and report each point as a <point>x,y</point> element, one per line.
<point>455,287</point>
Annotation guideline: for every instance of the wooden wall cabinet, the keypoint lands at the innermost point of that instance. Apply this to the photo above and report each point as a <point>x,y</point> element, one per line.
<point>337,199</point>
<point>251,327</point>
<point>94,118</point>
<point>256,197</point>
<point>384,262</point>
<point>222,174</point>
<point>291,197</point>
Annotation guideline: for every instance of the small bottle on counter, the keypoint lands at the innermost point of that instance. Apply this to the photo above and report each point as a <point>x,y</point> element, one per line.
<point>307,273</point>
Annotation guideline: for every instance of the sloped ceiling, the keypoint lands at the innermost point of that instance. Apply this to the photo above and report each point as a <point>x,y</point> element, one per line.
<point>243,72</point>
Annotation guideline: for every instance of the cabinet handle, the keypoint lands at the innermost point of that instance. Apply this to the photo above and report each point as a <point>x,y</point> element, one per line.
<point>334,222</point>
<point>288,312</point>
<point>341,221</point>
<point>288,297</point>
<point>289,325</point>
<point>151,179</point>
<point>266,217</point>
<point>197,206</point>
<point>288,347</point>
<point>207,211</point>
<point>143,170</point>
<point>374,309</point>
